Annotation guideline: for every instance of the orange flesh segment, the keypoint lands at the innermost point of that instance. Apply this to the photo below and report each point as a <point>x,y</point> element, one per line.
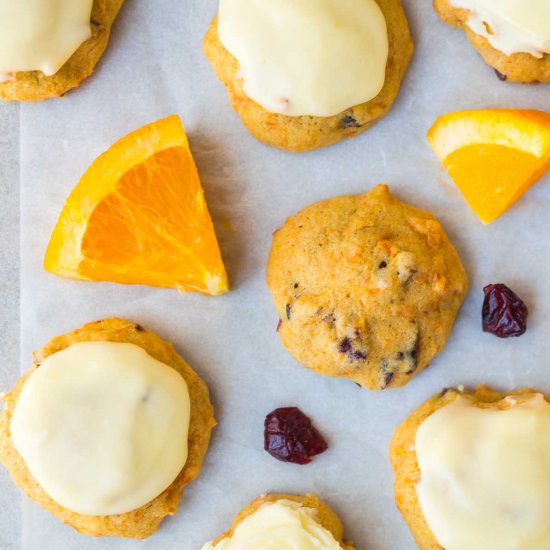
<point>496,177</point>
<point>147,225</point>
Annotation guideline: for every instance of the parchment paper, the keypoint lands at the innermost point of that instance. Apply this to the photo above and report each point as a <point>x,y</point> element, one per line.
<point>155,67</point>
<point>10,516</point>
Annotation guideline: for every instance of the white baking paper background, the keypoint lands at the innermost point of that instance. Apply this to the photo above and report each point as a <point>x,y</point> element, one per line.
<point>155,67</point>
<point>9,299</point>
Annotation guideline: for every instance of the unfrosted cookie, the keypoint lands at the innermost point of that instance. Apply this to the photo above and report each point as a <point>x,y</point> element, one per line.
<point>515,67</point>
<point>366,287</point>
<point>323,515</point>
<point>502,510</point>
<point>303,133</point>
<point>35,85</point>
<point>143,521</point>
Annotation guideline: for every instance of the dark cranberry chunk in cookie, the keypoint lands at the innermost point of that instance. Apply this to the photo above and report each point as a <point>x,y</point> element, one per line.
<point>401,362</point>
<point>348,121</point>
<point>290,436</point>
<point>504,314</point>
<point>346,346</point>
<point>388,377</point>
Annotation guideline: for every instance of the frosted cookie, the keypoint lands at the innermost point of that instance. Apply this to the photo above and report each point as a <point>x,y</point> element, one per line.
<point>472,470</point>
<point>106,429</point>
<point>47,48</point>
<point>284,522</point>
<point>303,74</point>
<point>513,36</point>
<point>366,287</point>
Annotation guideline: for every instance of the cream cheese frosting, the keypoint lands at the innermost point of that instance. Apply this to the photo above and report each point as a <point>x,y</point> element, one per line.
<point>306,57</point>
<point>280,525</point>
<point>511,26</point>
<point>102,427</point>
<point>41,35</point>
<point>485,475</point>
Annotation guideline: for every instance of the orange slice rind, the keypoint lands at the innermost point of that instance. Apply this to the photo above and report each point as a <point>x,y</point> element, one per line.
<point>494,156</point>
<point>138,216</point>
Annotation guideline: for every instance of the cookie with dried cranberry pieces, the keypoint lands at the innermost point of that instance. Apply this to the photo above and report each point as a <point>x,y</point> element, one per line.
<point>404,458</point>
<point>517,66</point>
<point>36,86</point>
<point>366,287</point>
<point>325,522</point>
<point>307,132</point>
<point>141,522</point>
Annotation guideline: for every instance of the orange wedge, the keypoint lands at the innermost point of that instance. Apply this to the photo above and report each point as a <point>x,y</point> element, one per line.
<point>494,156</point>
<point>138,216</point>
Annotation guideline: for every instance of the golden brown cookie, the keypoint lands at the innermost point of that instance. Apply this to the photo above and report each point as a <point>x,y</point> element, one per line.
<point>366,287</point>
<point>404,461</point>
<point>304,133</point>
<point>325,515</point>
<point>35,85</point>
<point>142,522</point>
<point>518,67</point>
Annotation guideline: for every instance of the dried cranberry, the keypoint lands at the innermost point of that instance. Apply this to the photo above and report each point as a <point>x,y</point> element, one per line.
<point>349,122</point>
<point>387,379</point>
<point>501,76</point>
<point>504,314</point>
<point>290,436</point>
<point>346,346</point>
